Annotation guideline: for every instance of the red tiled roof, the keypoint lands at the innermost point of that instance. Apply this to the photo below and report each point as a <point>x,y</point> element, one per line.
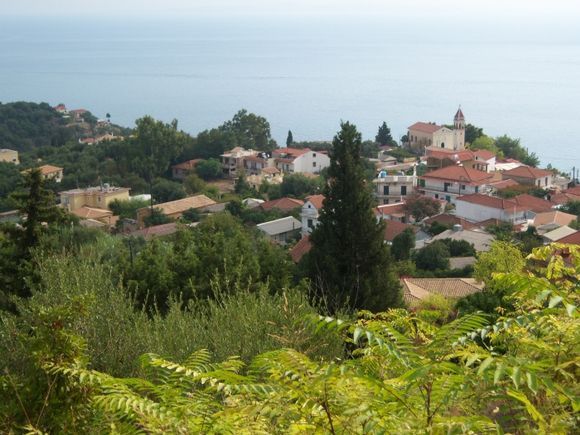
<point>563,197</point>
<point>417,289</point>
<point>450,220</point>
<point>532,203</point>
<point>292,152</point>
<point>457,155</point>
<point>390,209</point>
<point>527,172</point>
<point>49,169</point>
<point>284,204</point>
<point>425,127</point>
<point>156,231</point>
<point>316,200</point>
<point>554,217</point>
<point>573,191</point>
<point>573,239</point>
<point>187,165</point>
<point>459,173</point>
<point>504,184</point>
<point>270,170</point>
<point>491,201</point>
<point>300,249</point>
<point>394,228</point>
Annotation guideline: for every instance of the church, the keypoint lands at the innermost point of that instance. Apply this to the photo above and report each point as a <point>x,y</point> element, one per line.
<point>424,134</point>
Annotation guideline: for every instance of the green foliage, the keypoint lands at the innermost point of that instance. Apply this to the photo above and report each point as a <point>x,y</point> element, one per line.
<point>459,248</point>
<point>434,256</point>
<point>513,149</point>
<point>10,180</point>
<point>289,139</point>
<point>209,169</point>
<point>400,153</point>
<point>402,245</point>
<point>164,190</point>
<point>156,217</point>
<point>437,228</point>
<point>502,257</point>
<point>194,184</point>
<point>191,215</point>
<point>421,207</point>
<point>472,133</point>
<point>349,262</point>
<point>572,207</point>
<point>299,186</point>
<point>369,149</point>
<point>127,209</point>
<point>486,143</point>
<point>250,131</point>
<point>384,135</point>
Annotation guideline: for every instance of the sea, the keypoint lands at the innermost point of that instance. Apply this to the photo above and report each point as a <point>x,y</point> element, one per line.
<point>303,75</point>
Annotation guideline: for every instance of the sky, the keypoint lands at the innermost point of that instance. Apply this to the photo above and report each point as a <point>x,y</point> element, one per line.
<point>467,9</point>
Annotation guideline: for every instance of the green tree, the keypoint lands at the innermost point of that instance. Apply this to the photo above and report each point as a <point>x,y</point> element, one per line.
<point>512,148</point>
<point>191,215</point>
<point>194,184</point>
<point>421,207</point>
<point>156,217</point>
<point>472,133</point>
<point>572,207</point>
<point>289,139</point>
<point>486,143</point>
<point>434,256</point>
<point>250,130</point>
<point>209,169</point>
<point>299,186</point>
<point>127,209</point>
<point>384,135</point>
<point>502,257</point>
<point>402,244</point>
<point>370,149</point>
<point>349,261</point>
<point>164,190</point>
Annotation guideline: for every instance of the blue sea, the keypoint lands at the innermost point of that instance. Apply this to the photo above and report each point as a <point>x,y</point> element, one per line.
<point>302,75</point>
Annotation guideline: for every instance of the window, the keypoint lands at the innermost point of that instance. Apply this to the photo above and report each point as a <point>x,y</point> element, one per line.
<point>403,190</point>
<point>476,189</point>
<point>385,190</point>
<point>310,224</point>
<point>463,187</point>
<point>436,196</point>
<point>314,164</point>
<point>385,201</point>
<point>442,144</point>
<point>446,187</point>
<point>313,154</point>
<point>447,198</point>
<point>546,180</point>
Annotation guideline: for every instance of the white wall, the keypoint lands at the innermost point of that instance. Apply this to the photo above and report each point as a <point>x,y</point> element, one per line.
<point>308,212</point>
<point>478,212</point>
<point>306,161</point>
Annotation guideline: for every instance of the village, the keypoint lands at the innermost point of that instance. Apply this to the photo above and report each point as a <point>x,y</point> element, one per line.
<point>443,190</point>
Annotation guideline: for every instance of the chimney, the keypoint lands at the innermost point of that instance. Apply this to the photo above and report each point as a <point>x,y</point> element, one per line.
<point>457,228</point>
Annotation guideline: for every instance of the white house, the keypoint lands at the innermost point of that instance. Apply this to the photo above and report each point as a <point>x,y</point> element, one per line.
<point>450,182</point>
<point>281,230</point>
<point>311,212</point>
<point>394,188</point>
<point>300,160</point>
<point>478,208</point>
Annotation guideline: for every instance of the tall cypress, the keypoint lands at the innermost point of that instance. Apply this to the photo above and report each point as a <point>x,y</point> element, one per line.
<point>349,264</point>
<point>383,136</point>
<point>289,139</point>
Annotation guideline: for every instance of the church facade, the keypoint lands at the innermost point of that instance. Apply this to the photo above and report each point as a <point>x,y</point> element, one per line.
<point>422,135</point>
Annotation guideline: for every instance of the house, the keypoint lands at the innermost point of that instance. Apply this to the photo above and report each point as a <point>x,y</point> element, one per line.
<point>573,239</point>
<point>10,156</point>
<point>558,234</point>
<point>551,220</point>
<point>478,207</point>
<point>422,135</point>
<point>156,231</point>
<point>98,197</point>
<point>290,160</point>
<point>453,181</point>
<point>394,228</point>
<point>311,212</point>
<point>283,204</point>
<point>507,164</point>
<point>449,220</point>
<point>281,230</point>
<point>78,114</point>
<point>565,196</point>
<point>394,188</point>
<point>503,184</point>
<point>395,212</point>
<point>416,290</point>
<point>301,248</point>
<point>175,209</point>
<point>182,170</point>
<point>480,239</point>
<point>532,203</point>
<point>61,108</point>
<point>482,160</point>
<point>268,175</point>
<point>101,215</point>
<point>50,172</point>
<point>530,176</point>
<point>255,164</point>
<point>252,202</point>
<point>233,160</point>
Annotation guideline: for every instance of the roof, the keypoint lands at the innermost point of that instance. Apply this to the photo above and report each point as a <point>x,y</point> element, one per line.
<point>181,205</point>
<point>504,184</point>
<point>284,204</point>
<point>397,208</point>
<point>316,200</point>
<point>456,155</point>
<point>459,115</point>
<point>484,154</point>
<point>49,169</point>
<point>425,127</point>
<point>527,172</point>
<point>394,228</point>
<point>96,190</point>
<point>559,233</point>
<point>491,202</point>
<point>301,248</point>
<point>280,226</point>
<point>156,231</point>
<point>563,197</point>
<point>480,239</point>
<point>450,220</point>
<point>270,170</point>
<point>573,191</point>
<point>85,212</point>
<point>292,152</point>
<point>533,203</point>
<point>418,289</point>
<point>573,239</point>
<point>187,165</point>
<point>460,174</point>
<point>554,217</point>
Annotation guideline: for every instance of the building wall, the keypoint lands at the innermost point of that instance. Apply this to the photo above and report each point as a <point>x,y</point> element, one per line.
<point>311,162</point>
<point>395,184</point>
<point>419,140</point>
<point>73,201</point>
<point>9,156</point>
<point>444,138</point>
<point>542,182</point>
<point>478,212</point>
<point>436,189</point>
<point>309,217</point>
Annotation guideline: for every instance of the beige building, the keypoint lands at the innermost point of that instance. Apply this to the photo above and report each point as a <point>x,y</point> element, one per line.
<point>98,197</point>
<point>391,189</point>
<point>50,172</point>
<point>529,176</point>
<point>175,209</point>
<point>9,156</point>
<point>423,134</point>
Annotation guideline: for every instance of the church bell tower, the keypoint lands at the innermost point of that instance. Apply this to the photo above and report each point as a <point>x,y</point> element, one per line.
<point>459,130</point>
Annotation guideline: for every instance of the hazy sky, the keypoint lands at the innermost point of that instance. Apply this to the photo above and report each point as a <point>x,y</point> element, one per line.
<point>468,9</point>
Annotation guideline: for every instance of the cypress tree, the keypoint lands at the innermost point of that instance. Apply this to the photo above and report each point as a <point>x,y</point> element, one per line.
<point>349,263</point>
<point>289,139</point>
<point>384,135</point>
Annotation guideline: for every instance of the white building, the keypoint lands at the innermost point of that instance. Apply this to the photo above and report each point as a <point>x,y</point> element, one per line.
<point>281,230</point>
<point>390,189</point>
<point>311,212</point>
<point>424,134</point>
<point>290,160</point>
<point>479,208</point>
<point>453,181</point>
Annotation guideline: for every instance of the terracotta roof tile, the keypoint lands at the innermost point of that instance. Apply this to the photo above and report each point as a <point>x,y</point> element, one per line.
<point>301,248</point>
<point>484,154</point>
<point>316,200</point>
<point>156,231</point>
<point>554,217</point>
<point>490,201</point>
<point>450,220</point>
<point>425,127</point>
<point>49,169</point>
<point>283,204</point>
<point>181,205</point>
<point>530,202</point>
<point>417,289</point>
<point>527,172</point>
<point>460,174</point>
<point>394,228</point>
<point>573,239</point>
